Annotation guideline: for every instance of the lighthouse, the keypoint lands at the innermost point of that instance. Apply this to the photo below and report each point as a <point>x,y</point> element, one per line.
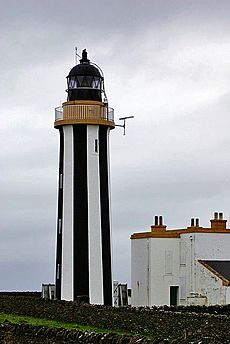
<point>83,254</point>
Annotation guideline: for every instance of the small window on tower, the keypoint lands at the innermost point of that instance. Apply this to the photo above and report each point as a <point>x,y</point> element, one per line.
<point>96,145</point>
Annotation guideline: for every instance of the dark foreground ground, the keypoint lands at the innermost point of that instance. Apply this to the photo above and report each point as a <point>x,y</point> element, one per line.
<point>156,325</point>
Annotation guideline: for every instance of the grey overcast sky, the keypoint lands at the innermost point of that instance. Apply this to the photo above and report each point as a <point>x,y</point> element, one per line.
<point>165,62</point>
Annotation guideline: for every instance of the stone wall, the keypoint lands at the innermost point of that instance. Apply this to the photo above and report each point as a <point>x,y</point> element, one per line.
<point>164,324</point>
<point>24,333</point>
<point>21,293</point>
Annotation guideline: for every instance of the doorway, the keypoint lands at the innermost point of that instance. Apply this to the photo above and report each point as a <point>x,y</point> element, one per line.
<point>174,295</point>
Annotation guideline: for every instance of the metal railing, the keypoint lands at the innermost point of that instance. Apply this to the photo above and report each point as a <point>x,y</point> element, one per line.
<point>84,112</point>
<point>58,113</point>
<point>110,114</point>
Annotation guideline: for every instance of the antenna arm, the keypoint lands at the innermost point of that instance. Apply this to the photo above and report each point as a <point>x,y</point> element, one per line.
<point>121,125</point>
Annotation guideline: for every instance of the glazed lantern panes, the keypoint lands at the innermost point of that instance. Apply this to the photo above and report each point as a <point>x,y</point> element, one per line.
<point>85,81</point>
<point>72,83</point>
<point>96,83</point>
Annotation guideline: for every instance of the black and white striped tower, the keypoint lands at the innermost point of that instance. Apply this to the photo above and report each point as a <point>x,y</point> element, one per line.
<point>83,257</point>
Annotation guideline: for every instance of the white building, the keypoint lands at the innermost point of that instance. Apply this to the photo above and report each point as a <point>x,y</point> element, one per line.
<point>181,266</point>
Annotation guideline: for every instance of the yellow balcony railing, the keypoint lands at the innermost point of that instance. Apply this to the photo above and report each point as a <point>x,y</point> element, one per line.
<point>84,112</point>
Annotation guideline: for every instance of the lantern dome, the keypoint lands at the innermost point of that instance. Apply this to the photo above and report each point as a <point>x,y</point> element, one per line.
<point>85,81</point>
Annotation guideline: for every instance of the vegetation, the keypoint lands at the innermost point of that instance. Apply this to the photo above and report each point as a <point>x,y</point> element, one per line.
<point>65,319</point>
<point>19,319</point>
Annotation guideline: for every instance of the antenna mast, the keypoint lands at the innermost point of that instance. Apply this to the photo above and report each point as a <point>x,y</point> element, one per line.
<point>124,124</point>
<point>76,55</point>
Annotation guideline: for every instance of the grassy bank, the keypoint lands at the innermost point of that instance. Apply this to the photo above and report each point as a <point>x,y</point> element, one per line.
<point>19,319</point>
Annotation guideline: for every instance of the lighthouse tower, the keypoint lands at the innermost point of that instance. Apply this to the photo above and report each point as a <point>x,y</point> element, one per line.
<point>83,256</point>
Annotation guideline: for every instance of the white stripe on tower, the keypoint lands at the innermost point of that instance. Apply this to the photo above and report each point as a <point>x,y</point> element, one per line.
<point>67,228</point>
<point>110,211</point>
<point>94,217</point>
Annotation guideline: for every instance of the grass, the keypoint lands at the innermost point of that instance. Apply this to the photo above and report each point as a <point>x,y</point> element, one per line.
<point>19,319</point>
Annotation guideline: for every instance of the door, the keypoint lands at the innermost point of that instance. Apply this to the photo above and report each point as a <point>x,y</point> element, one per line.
<point>174,295</point>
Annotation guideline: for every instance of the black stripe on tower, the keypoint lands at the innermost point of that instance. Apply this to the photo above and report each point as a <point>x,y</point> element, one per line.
<point>59,217</point>
<point>105,216</point>
<point>80,209</point>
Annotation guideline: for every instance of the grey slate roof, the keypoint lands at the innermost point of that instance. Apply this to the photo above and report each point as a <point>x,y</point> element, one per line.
<point>222,267</point>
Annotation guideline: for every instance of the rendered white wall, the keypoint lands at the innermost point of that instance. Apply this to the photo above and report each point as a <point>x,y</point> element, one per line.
<point>140,271</point>
<point>227,295</point>
<point>164,270</point>
<point>209,286</point>
<point>187,266</point>
<point>212,246</point>
<point>158,263</point>
<point>154,268</point>
<point>206,246</point>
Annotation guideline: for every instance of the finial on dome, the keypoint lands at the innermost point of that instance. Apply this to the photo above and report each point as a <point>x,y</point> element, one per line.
<point>84,58</point>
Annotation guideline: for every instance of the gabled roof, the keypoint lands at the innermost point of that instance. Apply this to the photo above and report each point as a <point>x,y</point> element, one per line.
<point>220,268</point>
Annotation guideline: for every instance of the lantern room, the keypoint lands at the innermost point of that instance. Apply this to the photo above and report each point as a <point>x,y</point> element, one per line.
<point>85,81</point>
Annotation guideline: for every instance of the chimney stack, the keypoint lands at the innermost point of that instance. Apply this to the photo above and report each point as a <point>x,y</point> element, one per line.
<point>158,224</point>
<point>218,222</point>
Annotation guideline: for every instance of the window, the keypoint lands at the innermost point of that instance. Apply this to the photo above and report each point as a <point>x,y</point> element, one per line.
<point>72,83</point>
<point>168,262</point>
<point>96,82</point>
<point>96,145</point>
<point>61,181</point>
<point>59,226</point>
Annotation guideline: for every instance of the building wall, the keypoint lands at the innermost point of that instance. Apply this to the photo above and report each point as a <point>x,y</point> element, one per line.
<point>158,263</point>
<point>209,287</point>
<point>155,267</point>
<point>164,269</point>
<point>140,271</point>
<point>228,295</point>
<point>206,246</point>
<point>213,246</point>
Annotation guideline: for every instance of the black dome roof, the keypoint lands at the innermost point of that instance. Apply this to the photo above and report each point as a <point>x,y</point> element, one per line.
<point>84,68</point>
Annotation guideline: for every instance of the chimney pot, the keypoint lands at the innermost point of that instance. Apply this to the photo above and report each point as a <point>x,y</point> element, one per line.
<point>192,222</point>
<point>197,222</point>
<point>161,220</point>
<point>216,216</point>
<point>221,216</point>
<point>156,220</point>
